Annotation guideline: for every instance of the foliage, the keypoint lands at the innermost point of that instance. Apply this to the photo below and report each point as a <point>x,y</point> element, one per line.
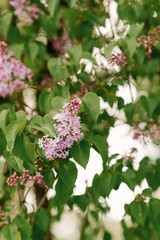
<point>53,40</point>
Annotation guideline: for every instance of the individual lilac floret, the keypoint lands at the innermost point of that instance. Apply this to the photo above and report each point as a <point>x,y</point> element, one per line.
<point>68,130</point>
<point>25,11</point>
<point>13,72</point>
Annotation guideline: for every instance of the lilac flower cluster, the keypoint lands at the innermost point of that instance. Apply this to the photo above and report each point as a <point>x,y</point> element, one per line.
<point>13,72</point>
<point>149,40</point>
<point>130,157</point>
<point>152,131</point>
<point>25,12</point>
<point>120,59</point>
<point>3,220</point>
<point>68,130</point>
<point>15,177</point>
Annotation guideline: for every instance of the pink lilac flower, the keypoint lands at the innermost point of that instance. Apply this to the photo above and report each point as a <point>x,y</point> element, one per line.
<point>151,132</point>
<point>68,130</point>
<point>3,220</point>
<point>149,40</point>
<point>25,11</point>
<point>15,177</point>
<point>120,59</point>
<point>13,72</point>
<point>130,157</point>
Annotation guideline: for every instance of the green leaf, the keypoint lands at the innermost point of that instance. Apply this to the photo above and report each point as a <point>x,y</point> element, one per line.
<point>10,232</point>
<point>2,164</point>
<point>107,236</point>
<point>135,30</point>
<point>17,49</point>
<point>42,124</point>
<point>55,66</point>
<point>82,201</point>
<point>75,54</point>
<point>101,145</point>
<point>108,50</point>
<point>44,101</point>
<point>5,21</point>
<point>41,224</point>
<point>70,2</point>
<point>52,5</point>
<point>63,193</point>
<point>11,132</point>
<point>139,211</point>
<point>24,150</point>
<point>21,116</point>
<point>154,208</point>
<point>68,172</point>
<point>104,183</point>
<point>129,111</point>
<point>57,103</point>
<point>49,177</point>
<point>129,177</point>
<point>2,142</point>
<point>24,227</point>
<point>14,162</point>
<point>132,45</point>
<point>80,152</point>
<point>91,104</point>
<point>48,126</point>
<point>4,119</point>
<point>32,50</point>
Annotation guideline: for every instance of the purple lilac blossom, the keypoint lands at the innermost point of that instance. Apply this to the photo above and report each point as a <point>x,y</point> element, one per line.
<point>13,72</point>
<point>68,130</point>
<point>25,11</point>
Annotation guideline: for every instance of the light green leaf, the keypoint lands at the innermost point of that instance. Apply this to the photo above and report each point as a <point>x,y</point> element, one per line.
<point>135,30</point>
<point>108,50</point>
<point>57,103</point>
<point>5,21</point>
<point>3,118</point>
<point>52,5</point>
<point>91,104</point>
<point>48,126</point>
<point>75,54</point>
<point>24,227</point>
<point>33,50</point>
<point>56,68</point>
<point>21,116</point>
<point>14,162</point>
<point>80,152</point>
<point>10,231</point>
<point>11,132</point>
<point>17,49</point>
<point>132,45</point>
